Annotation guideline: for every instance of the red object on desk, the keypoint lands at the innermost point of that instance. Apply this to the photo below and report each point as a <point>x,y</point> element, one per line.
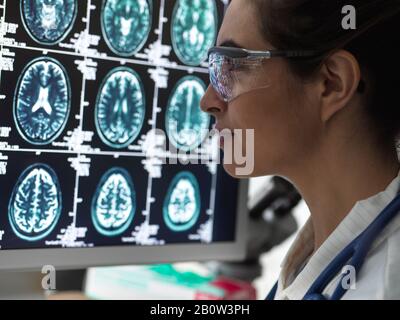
<point>233,289</point>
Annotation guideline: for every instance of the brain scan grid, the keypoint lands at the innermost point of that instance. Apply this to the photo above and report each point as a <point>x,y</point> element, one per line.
<point>84,87</point>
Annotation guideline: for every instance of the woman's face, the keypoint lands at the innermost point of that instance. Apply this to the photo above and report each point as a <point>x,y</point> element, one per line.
<point>282,115</point>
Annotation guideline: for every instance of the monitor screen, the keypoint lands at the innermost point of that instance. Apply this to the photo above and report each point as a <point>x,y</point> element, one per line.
<point>103,144</point>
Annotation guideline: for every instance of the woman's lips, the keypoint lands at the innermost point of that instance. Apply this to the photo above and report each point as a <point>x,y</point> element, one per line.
<point>221,142</point>
<point>219,128</point>
<point>222,133</point>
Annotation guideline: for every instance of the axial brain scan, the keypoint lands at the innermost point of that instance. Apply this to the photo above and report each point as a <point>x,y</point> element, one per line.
<point>185,121</point>
<point>126,24</point>
<point>120,108</point>
<point>114,203</point>
<point>42,101</point>
<point>48,21</point>
<point>194,29</point>
<point>182,202</point>
<point>35,204</point>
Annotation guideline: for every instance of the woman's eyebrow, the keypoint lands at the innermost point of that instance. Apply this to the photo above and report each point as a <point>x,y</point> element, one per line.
<point>230,43</point>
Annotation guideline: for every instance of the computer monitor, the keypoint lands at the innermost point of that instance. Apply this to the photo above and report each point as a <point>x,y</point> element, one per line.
<point>100,132</point>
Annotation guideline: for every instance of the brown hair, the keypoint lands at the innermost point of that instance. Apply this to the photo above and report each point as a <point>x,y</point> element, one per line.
<point>317,25</point>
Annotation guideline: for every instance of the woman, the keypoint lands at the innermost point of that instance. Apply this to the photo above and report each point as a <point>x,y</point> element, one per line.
<point>326,113</point>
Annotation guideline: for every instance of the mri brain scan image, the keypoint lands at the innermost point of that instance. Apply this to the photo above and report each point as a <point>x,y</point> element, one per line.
<point>48,21</point>
<point>126,25</point>
<point>35,204</point>
<point>120,108</point>
<point>114,203</point>
<point>186,124</point>
<point>194,29</point>
<point>103,142</point>
<point>182,203</point>
<point>42,101</point>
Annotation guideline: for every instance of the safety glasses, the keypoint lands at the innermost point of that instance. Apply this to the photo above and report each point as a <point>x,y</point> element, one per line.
<point>235,71</point>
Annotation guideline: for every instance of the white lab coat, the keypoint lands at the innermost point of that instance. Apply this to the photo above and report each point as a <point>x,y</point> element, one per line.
<point>380,274</point>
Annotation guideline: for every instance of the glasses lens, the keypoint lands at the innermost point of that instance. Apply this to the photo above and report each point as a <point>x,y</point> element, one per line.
<point>220,77</point>
<point>231,77</point>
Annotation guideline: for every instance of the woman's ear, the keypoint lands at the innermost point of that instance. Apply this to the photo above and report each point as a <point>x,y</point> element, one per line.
<point>340,76</point>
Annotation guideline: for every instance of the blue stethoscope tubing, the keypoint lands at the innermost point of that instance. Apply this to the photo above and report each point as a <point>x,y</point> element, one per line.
<point>353,255</point>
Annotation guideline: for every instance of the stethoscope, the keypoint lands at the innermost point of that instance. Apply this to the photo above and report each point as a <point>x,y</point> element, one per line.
<point>353,255</point>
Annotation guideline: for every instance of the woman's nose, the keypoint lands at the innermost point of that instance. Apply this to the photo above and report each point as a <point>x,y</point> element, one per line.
<point>212,103</point>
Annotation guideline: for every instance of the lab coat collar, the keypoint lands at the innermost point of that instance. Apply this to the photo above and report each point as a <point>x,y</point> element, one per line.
<point>360,217</point>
